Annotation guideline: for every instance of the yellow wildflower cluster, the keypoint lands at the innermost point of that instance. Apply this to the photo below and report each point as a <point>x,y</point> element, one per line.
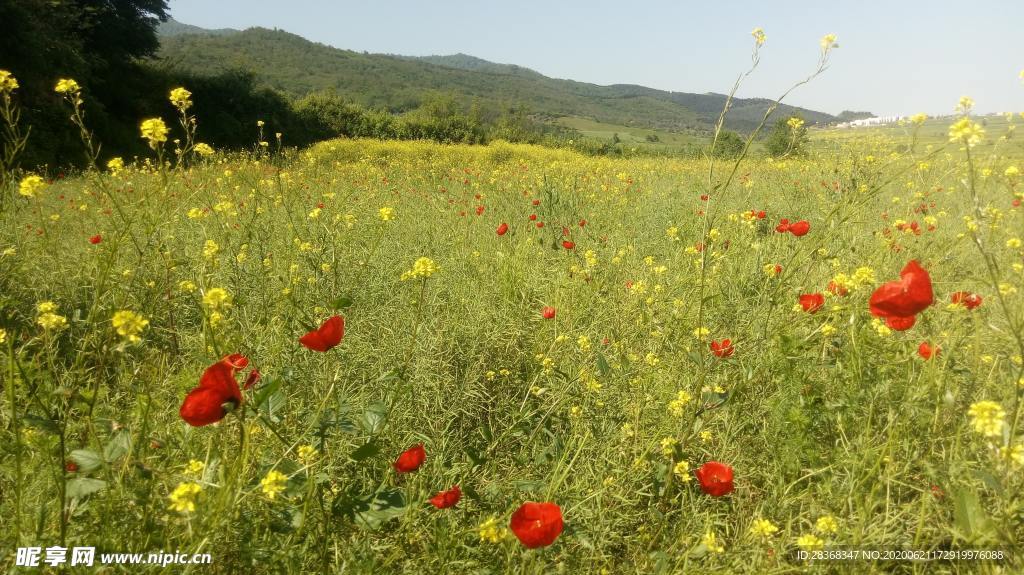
<point>966,132</point>
<point>8,83</point>
<point>682,471</point>
<point>988,418</point>
<point>195,467</point>
<point>711,542</point>
<point>422,268</point>
<point>183,498</point>
<point>216,299</point>
<point>115,165</point>
<point>203,150</point>
<point>491,531</point>
<point>67,86</point>
<point>385,214</point>
<point>273,484</point>
<point>828,42</point>
<point>677,406</point>
<point>181,98</point>
<point>129,325</point>
<point>810,542</point>
<point>154,131</point>
<point>49,320</point>
<point>31,185</point>
<point>763,528</point>
<point>759,36</point>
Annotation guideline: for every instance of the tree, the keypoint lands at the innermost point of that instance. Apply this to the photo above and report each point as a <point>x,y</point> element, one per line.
<point>729,145</point>
<point>97,43</point>
<point>787,138</point>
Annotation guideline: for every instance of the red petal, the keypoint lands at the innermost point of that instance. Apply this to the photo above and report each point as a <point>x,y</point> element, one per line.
<point>327,336</point>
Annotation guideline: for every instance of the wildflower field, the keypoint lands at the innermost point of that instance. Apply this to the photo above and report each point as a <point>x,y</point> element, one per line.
<point>409,357</point>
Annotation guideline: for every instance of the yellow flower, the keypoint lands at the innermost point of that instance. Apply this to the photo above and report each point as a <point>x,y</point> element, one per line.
<point>183,498</point>
<point>1012,172</point>
<point>759,37</point>
<point>965,104</point>
<point>210,249</point>
<point>154,131</point>
<point>195,467</point>
<point>216,298</point>
<point>8,83</point>
<point>49,320</point>
<point>67,86</point>
<point>3,335</point>
<point>203,150</point>
<point>1013,456</point>
<point>422,268</point>
<point>966,131</point>
<point>129,324</point>
<point>828,41</point>
<point>668,446</point>
<point>307,453</point>
<point>180,98</point>
<point>810,542</point>
<point>115,165</point>
<point>827,524</point>
<point>988,418</point>
<point>491,531</point>
<point>763,528</point>
<point>186,286</point>
<point>682,471</point>
<point>918,119</point>
<point>273,484</point>
<point>30,185</point>
<point>677,406</point>
<point>710,541</point>
<point>1013,243</point>
<point>385,213</point>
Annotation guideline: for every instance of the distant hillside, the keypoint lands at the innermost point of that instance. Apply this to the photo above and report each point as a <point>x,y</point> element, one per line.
<point>294,65</point>
<point>849,115</point>
<point>174,28</point>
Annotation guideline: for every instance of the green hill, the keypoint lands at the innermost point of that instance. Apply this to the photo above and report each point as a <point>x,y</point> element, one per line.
<point>296,66</point>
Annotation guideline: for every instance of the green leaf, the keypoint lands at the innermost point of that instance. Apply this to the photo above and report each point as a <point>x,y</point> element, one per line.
<point>342,302</point>
<point>970,519</point>
<point>266,390</point>
<point>374,418</point>
<point>366,451</point>
<point>82,486</point>
<point>118,445</point>
<point>275,403</point>
<point>602,364</point>
<point>86,459</point>
<point>41,423</point>
<point>371,512</point>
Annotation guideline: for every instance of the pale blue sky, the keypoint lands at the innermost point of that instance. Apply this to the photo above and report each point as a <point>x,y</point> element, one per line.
<point>895,57</point>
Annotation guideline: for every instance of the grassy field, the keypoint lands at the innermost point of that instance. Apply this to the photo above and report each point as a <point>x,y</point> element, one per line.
<point>577,359</point>
<point>631,136</point>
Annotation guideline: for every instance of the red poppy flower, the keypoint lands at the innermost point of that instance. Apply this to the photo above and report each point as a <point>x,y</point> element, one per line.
<point>479,210</point>
<point>548,312</point>
<point>568,245</point>
<point>811,302</point>
<point>410,459</point>
<point>251,380</point>
<point>704,197</point>
<point>800,228</point>
<point>906,297</point>
<point>502,229</point>
<point>837,289</point>
<point>327,336</point>
<point>783,226</point>
<point>96,239</point>
<point>446,499</point>
<point>217,386</point>
<point>715,478</point>
<point>722,348</point>
<point>583,223</point>
<point>533,217</point>
<point>536,202</point>
<point>761,215</point>
<point>927,350</point>
<point>900,323</point>
<point>966,298</point>
<point>540,225</point>
<point>536,524</point>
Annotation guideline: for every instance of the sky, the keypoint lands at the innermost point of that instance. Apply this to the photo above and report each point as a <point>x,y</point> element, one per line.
<point>895,57</point>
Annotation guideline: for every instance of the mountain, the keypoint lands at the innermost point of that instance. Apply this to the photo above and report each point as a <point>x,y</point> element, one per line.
<point>297,66</point>
<point>174,28</point>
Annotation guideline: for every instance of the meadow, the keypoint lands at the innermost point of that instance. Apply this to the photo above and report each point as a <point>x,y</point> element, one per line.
<point>369,356</point>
